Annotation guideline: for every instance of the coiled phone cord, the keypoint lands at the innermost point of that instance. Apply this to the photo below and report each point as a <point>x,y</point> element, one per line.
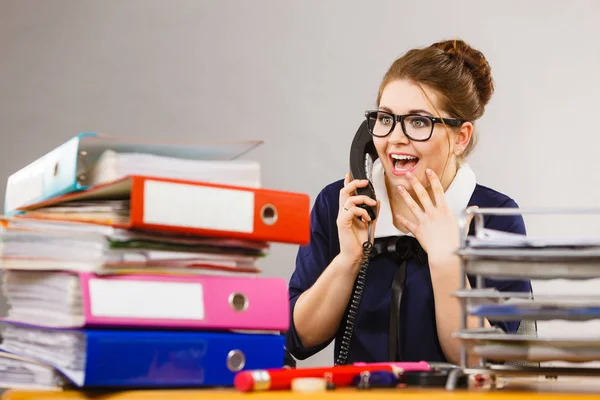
<point>355,299</point>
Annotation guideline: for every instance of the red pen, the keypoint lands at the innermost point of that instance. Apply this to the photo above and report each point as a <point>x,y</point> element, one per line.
<point>339,375</point>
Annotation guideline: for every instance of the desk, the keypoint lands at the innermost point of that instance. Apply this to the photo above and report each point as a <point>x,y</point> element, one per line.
<point>526,391</point>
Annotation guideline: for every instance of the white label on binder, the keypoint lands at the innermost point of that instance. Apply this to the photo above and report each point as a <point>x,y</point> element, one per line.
<point>146,299</point>
<point>202,207</point>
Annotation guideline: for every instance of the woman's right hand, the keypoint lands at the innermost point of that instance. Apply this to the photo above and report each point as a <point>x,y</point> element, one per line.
<point>352,220</point>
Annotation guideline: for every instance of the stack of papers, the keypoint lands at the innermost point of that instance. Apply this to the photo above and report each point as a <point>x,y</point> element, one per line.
<point>82,247</point>
<point>493,239</point>
<point>501,255</point>
<point>112,166</point>
<point>27,373</point>
<point>130,265</point>
<point>498,346</point>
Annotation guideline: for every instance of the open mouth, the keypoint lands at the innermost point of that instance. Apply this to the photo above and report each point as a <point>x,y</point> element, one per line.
<point>403,163</point>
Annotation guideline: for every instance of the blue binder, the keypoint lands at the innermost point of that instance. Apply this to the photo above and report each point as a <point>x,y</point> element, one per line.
<point>62,170</point>
<point>140,358</point>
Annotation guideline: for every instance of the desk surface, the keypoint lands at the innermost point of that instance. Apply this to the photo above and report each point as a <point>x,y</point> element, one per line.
<point>526,391</point>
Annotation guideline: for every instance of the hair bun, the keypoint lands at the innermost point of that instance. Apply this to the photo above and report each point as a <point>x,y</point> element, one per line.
<point>475,62</point>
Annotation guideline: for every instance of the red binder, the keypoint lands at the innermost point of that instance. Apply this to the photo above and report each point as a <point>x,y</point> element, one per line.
<point>190,207</point>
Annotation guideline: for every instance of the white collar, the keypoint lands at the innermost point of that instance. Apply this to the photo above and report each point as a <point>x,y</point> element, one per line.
<point>458,195</point>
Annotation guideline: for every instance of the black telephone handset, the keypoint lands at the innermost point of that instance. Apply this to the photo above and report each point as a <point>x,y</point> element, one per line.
<point>362,156</point>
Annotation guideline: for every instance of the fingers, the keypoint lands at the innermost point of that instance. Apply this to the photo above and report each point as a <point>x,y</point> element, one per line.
<point>410,202</point>
<point>420,191</point>
<point>436,187</point>
<point>355,200</point>
<point>350,209</point>
<point>350,187</point>
<point>355,212</point>
<point>411,226</point>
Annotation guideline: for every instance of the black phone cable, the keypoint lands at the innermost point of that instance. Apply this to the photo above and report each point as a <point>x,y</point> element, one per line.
<point>355,299</point>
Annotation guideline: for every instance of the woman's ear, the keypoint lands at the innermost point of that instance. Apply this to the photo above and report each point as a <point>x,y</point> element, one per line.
<point>463,137</point>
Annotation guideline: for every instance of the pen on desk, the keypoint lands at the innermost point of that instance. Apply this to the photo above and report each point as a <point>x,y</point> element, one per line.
<point>341,375</point>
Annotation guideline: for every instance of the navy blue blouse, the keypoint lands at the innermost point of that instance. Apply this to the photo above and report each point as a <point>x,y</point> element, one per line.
<point>417,313</point>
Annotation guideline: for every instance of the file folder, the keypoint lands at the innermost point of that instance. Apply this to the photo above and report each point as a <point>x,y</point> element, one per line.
<point>68,300</point>
<point>134,358</point>
<point>197,208</point>
<point>62,170</point>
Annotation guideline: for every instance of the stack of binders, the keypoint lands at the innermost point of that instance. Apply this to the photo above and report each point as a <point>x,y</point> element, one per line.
<point>129,264</point>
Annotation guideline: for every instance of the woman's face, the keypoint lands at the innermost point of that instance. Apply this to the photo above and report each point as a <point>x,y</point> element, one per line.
<point>399,154</point>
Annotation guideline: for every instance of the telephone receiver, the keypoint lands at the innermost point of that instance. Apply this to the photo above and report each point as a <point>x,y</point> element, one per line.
<point>362,156</point>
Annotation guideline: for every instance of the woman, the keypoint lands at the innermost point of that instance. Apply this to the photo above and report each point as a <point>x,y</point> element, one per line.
<point>423,130</point>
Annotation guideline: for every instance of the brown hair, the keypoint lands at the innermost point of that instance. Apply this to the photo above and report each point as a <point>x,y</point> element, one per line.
<point>459,74</point>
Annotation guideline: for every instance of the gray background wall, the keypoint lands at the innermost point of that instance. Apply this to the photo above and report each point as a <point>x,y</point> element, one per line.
<point>299,74</point>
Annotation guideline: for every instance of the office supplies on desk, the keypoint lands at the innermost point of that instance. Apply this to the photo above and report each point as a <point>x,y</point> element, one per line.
<point>201,209</point>
<point>63,169</point>
<point>67,300</point>
<point>497,256</point>
<point>429,379</point>
<point>309,385</point>
<point>339,375</point>
<point>135,358</point>
<point>134,241</point>
<point>376,379</point>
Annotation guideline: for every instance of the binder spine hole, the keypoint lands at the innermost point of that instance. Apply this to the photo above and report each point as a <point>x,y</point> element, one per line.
<point>236,360</point>
<point>268,214</point>
<point>238,301</point>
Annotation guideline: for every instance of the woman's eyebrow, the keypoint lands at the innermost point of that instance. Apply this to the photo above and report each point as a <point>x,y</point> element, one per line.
<point>420,112</point>
<point>417,111</point>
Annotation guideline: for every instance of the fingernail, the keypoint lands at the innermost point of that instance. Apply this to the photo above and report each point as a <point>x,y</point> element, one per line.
<point>409,175</point>
<point>401,189</point>
<point>428,171</point>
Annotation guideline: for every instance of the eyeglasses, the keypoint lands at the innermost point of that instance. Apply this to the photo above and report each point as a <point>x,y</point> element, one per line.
<point>416,127</point>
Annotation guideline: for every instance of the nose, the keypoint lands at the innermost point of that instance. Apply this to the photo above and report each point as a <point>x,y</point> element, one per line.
<point>397,136</point>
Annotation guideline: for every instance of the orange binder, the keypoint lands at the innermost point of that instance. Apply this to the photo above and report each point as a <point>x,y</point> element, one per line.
<point>189,207</point>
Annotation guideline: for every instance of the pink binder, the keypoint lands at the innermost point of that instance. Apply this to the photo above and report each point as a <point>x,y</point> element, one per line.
<point>175,301</point>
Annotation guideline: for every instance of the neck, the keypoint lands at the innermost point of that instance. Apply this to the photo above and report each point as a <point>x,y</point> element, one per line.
<point>398,205</point>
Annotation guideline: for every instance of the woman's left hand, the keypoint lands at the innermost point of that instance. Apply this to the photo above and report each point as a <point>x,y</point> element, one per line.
<point>436,227</point>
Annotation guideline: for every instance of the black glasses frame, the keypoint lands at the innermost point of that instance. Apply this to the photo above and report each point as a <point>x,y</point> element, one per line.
<point>453,122</point>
